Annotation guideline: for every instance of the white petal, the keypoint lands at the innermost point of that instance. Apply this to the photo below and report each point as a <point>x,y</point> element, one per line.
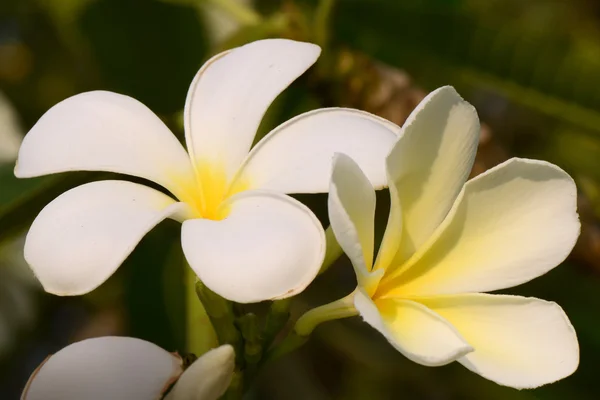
<point>269,246</point>
<point>119,368</point>
<point>351,208</point>
<point>231,93</point>
<point>519,342</point>
<point>80,239</point>
<point>509,225</point>
<point>430,163</point>
<point>296,156</point>
<point>417,332</point>
<point>207,378</point>
<point>104,131</point>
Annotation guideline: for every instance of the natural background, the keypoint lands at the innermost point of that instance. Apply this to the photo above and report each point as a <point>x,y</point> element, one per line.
<point>531,68</point>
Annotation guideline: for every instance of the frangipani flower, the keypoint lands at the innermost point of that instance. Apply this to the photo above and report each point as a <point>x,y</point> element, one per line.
<point>447,241</point>
<point>123,368</point>
<point>244,238</point>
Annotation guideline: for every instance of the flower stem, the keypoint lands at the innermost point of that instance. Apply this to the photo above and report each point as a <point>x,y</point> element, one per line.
<point>341,308</point>
<point>279,314</point>
<point>200,335</point>
<point>243,14</point>
<point>220,312</point>
<point>289,344</point>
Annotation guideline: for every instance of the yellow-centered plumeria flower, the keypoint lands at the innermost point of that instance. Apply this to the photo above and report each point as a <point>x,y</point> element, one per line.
<point>125,368</point>
<point>242,235</point>
<point>447,241</point>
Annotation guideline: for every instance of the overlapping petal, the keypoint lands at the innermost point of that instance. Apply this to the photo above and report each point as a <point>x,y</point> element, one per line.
<point>105,131</point>
<point>104,368</point>
<point>296,156</point>
<point>79,239</point>
<point>269,246</point>
<point>231,93</point>
<point>207,378</point>
<point>509,225</point>
<point>414,330</point>
<point>351,207</point>
<point>519,342</point>
<point>430,163</point>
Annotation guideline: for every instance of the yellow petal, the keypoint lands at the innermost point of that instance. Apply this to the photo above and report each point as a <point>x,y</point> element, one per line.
<point>420,334</point>
<point>430,163</point>
<point>519,342</point>
<point>511,224</point>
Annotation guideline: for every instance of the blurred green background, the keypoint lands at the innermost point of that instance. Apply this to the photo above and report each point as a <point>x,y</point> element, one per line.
<point>531,68</point>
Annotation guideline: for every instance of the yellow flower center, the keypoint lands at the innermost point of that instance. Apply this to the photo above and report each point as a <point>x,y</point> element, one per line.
<point>211,189</point>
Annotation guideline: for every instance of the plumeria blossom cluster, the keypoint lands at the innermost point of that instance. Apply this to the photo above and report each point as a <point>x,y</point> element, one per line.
<point>447,240</point>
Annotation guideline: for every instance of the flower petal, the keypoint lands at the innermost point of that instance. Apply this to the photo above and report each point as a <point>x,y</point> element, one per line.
<point>80,239</point>
<point>207,378</point>
<point>351,207</point>
<point>104,368</point>
<point>269,246</point>
<point>231,93</point>
<point>417,332</point>
<point>105,131</point>
<point>511,224</point>
<point>296,156</point>
<point>430,163</point>
<point>519,342</point>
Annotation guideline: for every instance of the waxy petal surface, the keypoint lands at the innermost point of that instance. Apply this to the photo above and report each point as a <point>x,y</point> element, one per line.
<point>269,246</point>
<point>430,163</point>
<point>417,332</point>
<point>296,157</point>
<point>207,378</point>
<point>511,224</point>
<point>351,206</point>
<point>105,131</point>
<point>231,93</point>
<point>119,368</point>
<point>79,240</point>
<point>519,342</point>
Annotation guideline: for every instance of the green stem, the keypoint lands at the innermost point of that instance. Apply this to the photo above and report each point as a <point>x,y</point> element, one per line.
<point>278,316</point>
<point>200,335</point>
<point>241,13</point>
<point>220,312</point>
<point>252,341</point>
<point>341,308</point>
<point>289,344</point>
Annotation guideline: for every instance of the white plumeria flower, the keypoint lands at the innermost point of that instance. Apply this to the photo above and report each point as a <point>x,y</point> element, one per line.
<point>125,368</point>
<point>244,238</point>
<point>446,241</point>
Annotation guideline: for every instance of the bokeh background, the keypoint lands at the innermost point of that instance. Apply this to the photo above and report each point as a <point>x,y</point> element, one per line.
<point>531,68</point>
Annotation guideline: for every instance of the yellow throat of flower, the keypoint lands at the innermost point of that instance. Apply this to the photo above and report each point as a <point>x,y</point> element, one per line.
<point>211,188</point>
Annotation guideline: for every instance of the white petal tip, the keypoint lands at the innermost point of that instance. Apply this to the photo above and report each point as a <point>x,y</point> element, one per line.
<point>223,355</point>
<point>208,377</point>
